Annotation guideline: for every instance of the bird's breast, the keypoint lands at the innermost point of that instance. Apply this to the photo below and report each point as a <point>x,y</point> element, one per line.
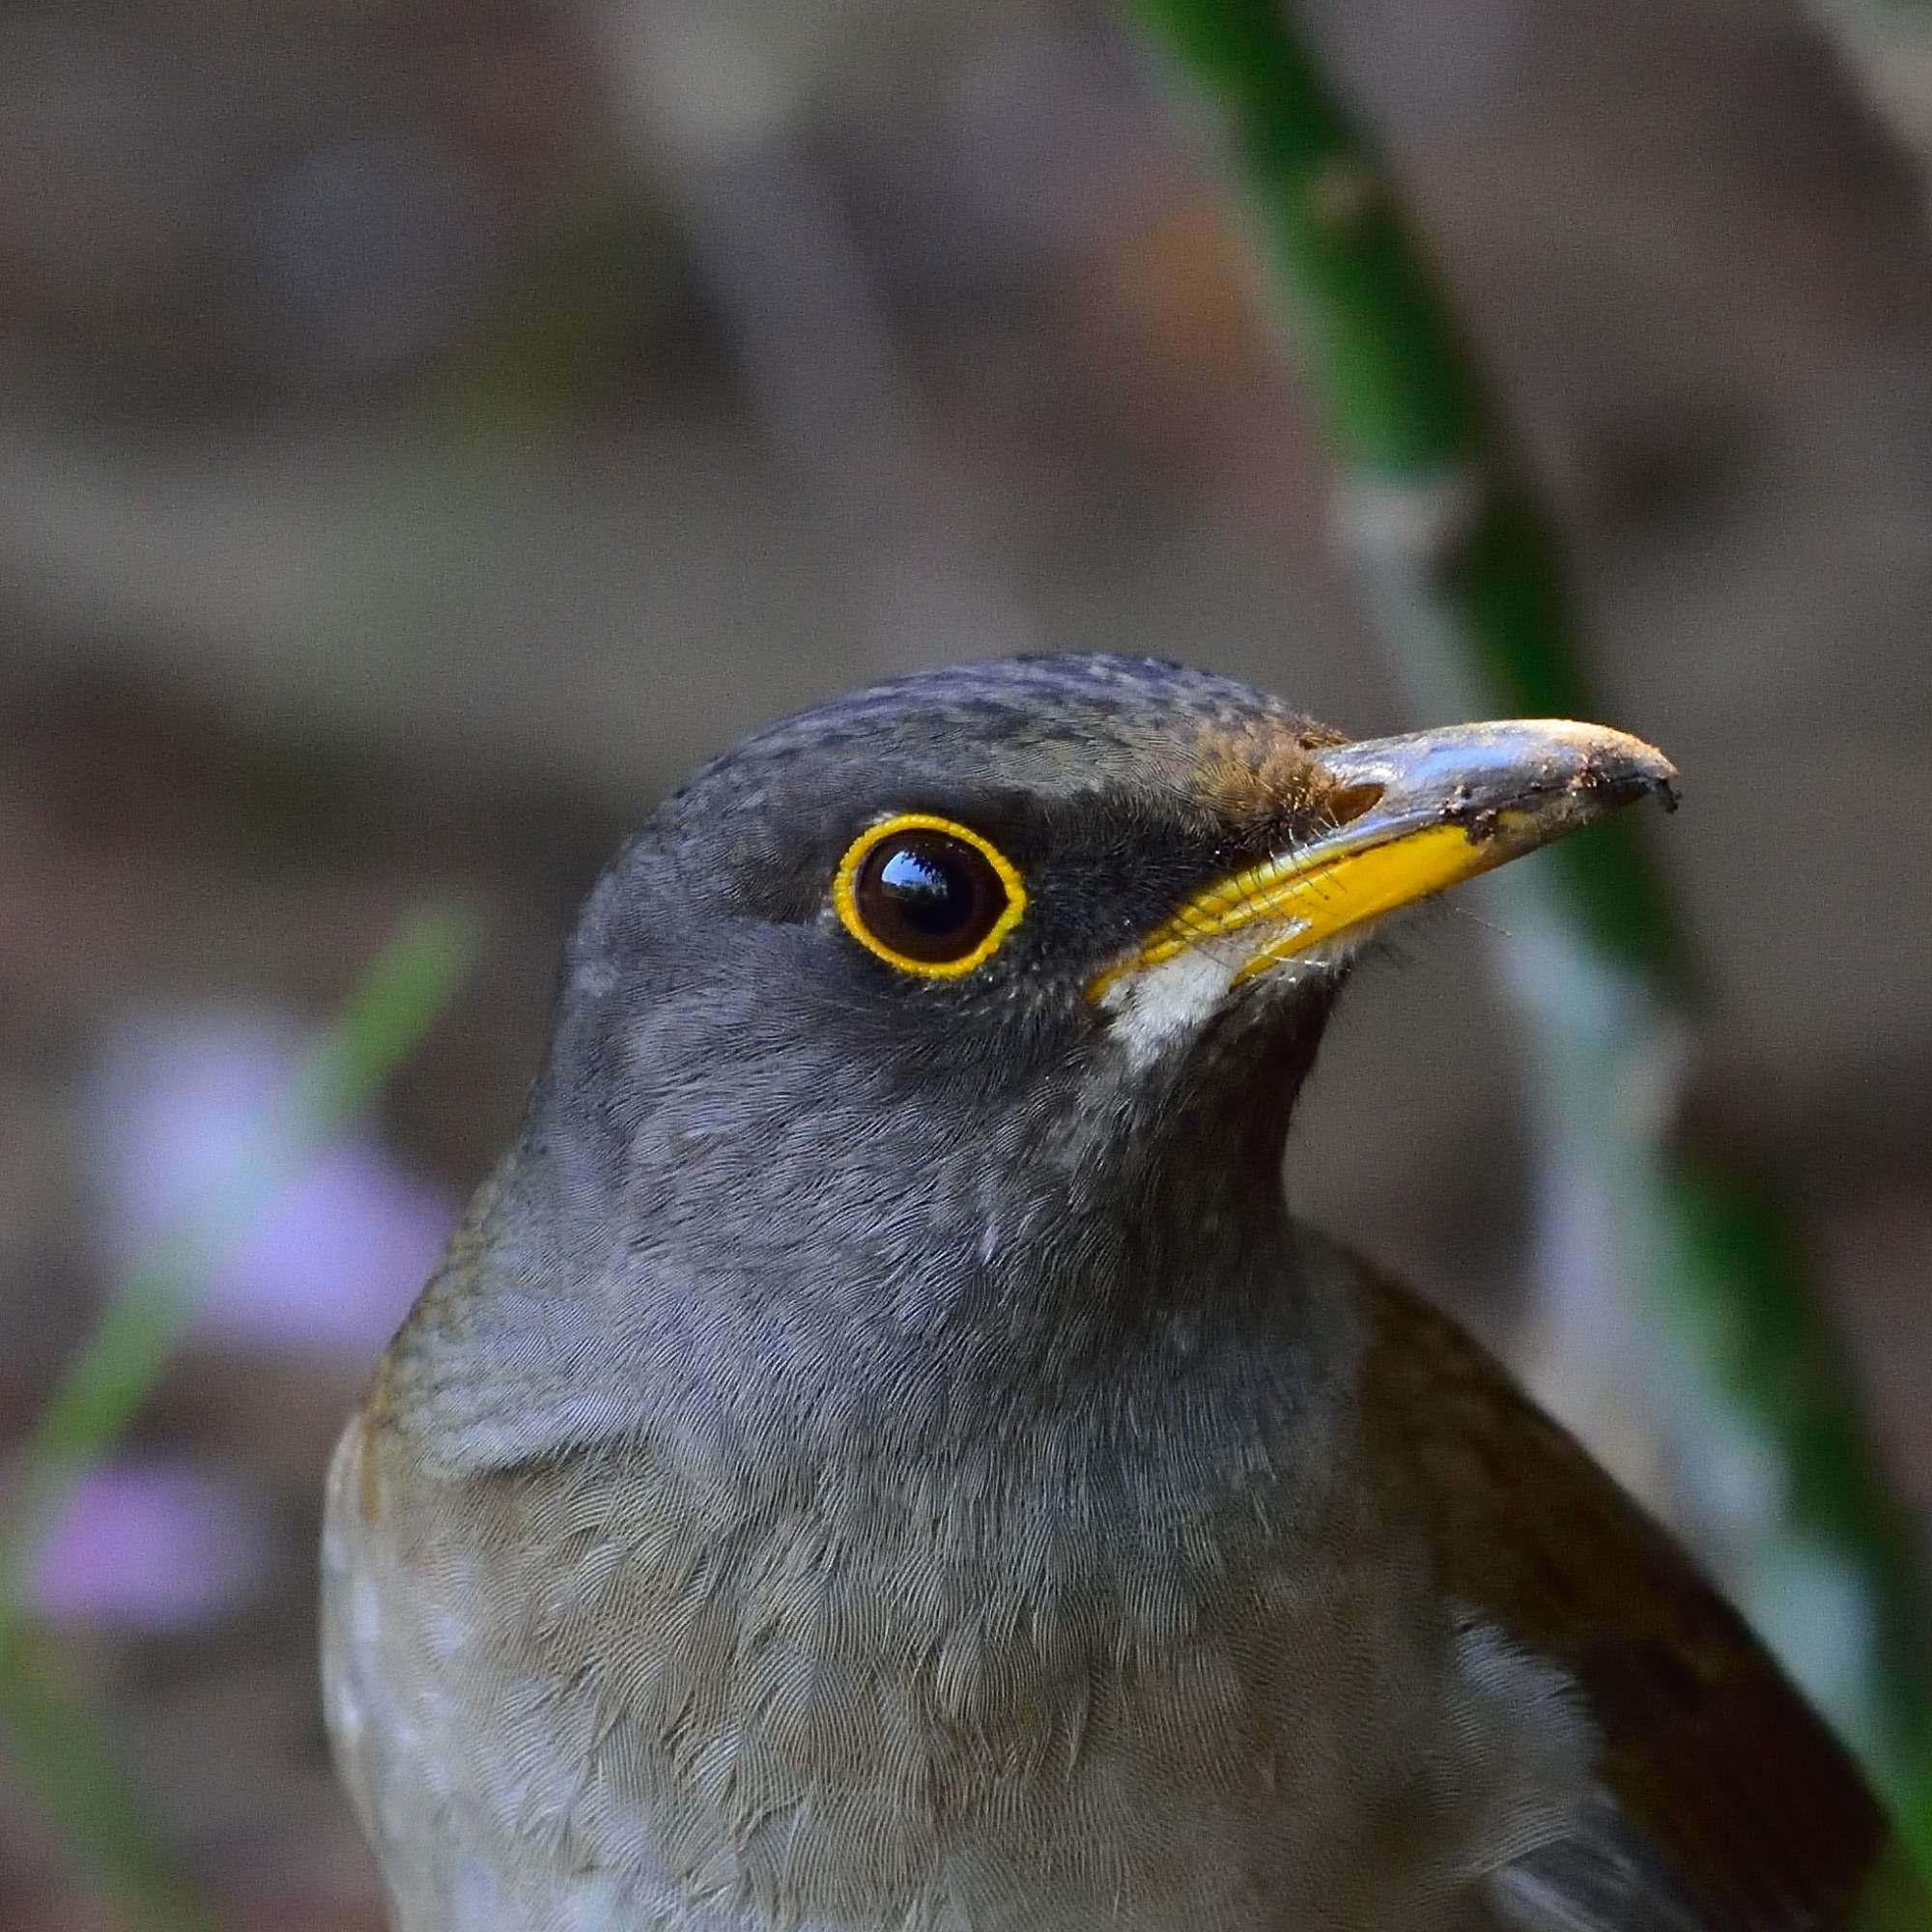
<point>869,1699</point>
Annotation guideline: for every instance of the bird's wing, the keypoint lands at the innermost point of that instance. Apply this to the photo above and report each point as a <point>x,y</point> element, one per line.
<point>1724,1797</point>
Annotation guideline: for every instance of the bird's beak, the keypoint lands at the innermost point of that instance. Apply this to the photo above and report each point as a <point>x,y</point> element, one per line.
<point>1410,816</point>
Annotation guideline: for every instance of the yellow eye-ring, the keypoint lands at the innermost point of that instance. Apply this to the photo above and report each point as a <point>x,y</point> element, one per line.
<point>927,896</point>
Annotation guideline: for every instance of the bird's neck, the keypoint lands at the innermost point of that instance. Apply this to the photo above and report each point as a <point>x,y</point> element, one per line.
<point>1123,1286</point>
<point>1157,1445</point>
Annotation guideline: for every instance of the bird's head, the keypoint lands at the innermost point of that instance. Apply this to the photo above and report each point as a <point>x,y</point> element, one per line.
<point>990,990</point>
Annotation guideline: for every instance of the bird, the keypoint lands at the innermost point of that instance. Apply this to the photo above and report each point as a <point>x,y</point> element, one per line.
<point>879,1455</point>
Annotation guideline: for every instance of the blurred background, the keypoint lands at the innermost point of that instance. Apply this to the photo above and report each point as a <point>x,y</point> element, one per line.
<point>427,429</point>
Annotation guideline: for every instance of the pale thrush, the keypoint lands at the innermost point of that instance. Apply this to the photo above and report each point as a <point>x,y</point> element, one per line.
<point>880,1455</point>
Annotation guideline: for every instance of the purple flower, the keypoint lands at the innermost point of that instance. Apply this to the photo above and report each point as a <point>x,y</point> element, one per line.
<point>182,1103</point>
<point>152,1545</point>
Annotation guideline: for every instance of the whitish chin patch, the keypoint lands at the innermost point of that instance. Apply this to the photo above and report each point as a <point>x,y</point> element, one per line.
<point>1155,1008</point>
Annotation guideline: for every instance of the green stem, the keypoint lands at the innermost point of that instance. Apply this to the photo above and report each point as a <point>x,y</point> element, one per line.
<point>1467,571</point>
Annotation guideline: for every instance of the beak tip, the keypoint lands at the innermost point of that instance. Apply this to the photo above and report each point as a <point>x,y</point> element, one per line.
<point>1663,784</point>
<point>1615,762</point>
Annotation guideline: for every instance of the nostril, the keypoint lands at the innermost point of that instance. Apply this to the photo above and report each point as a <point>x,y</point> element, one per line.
<point>1348,803</point>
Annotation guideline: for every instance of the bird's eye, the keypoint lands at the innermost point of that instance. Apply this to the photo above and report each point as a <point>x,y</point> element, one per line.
<point>928,895</point>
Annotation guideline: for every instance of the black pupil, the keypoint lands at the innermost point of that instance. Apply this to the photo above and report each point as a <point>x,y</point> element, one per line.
<point>929,896</point>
